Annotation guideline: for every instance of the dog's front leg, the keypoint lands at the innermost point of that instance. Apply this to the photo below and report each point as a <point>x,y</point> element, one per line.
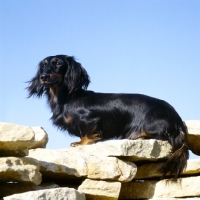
<point>87,139</point>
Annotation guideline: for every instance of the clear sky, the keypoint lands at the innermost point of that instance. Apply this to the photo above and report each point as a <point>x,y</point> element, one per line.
<point>127,46</point>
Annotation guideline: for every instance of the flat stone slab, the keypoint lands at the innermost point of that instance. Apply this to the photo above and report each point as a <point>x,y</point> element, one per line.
<point>40,138</point>
<point>56,163</point>
<point>135,150</point>
<point>49,194</point>
<point>100,190</point>
<point>7,189</point>
<point>194,198</point>
<point>151,170</point>
<point>15,140</point>
<point>184,187</point>
<point>23,170</point>
<point>194,135</point>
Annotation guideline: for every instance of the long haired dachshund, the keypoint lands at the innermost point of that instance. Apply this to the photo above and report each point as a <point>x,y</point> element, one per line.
<point>99,116</point>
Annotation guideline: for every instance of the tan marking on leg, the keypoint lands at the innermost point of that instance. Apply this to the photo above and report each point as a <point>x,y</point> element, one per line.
<point>87,139</point>
<point>143,135</point>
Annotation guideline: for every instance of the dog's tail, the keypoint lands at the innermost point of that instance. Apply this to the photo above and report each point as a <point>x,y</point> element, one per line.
<point>177,162</point>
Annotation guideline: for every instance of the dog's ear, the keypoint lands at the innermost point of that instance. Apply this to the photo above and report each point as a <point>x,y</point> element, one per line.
<point>76,76</point>
<point>35,88</point>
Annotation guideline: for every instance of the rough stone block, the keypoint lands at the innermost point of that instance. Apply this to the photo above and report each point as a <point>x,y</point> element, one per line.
<point>23,170</point>
<point>40,139</point>
<point>7,189</point>
<point>15,140</point>
<point>135,150</point>
<point>100,190</point>
<point>194,135</point>
<point>151,170</point>
<point>184,187</point>
<point>49,194</point>
<point>55,163</point>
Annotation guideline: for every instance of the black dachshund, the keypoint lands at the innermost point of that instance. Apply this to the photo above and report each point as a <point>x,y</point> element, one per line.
<point>100,116</point>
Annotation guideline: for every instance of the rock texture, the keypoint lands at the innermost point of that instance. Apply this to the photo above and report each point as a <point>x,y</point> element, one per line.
<point>40,138</point>
<point>148,171</point>
<point>49,194</point>
<point>100,190</point>
<point>15,140</point>
<point>73,164</point>
<point>135,150</point>
<point>24,170</point>
<point>7,189</point>
<point>194,135</point>
<point>118,169</point>
<point>184,187</point>
<point>195,198</point>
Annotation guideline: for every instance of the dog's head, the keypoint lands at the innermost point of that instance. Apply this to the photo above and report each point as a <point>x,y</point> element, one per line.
<point>58,71</point>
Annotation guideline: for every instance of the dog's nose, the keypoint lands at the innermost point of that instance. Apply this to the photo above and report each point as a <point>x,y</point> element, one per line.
<point>44,77</point>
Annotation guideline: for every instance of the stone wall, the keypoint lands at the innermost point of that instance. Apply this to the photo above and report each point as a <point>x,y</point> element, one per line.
<point>115,169</point>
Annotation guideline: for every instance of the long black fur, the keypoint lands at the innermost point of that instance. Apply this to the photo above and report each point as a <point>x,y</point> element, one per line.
<point>83,113</point>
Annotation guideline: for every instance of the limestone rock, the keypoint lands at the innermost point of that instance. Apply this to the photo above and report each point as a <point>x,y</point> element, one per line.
<point>100,190</point>
<point>194,135</point>
<point>194,198</point>
<point>7,189</point>
<point>24,170</point>
<point>15,139</point>
<point>184,187</point>
<point>151,170</point>
<point>49,194</point>
<point>56,163</point>
<point>40,138</point>
<point>135,150</point>
<point>110,168</point>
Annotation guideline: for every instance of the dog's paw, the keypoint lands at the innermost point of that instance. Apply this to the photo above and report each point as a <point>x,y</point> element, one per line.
<point>75,144</point>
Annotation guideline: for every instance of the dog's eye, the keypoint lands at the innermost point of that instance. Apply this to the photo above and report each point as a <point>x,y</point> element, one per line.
<point>57,64</point>
<point>43,65</point>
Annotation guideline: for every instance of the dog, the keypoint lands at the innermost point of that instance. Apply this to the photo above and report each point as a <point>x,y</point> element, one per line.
<point>102,116</point>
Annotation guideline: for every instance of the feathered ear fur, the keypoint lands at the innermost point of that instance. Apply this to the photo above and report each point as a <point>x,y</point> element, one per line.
<point>35,88</point>
<point>76,76</point>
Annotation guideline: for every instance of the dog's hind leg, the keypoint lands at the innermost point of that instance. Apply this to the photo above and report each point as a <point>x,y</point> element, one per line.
<point>167,125</point>
<point>141,136</point>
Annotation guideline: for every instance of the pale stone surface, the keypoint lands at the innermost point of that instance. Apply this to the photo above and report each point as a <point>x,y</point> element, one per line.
<point>49,194</point>
<point>7,189</point>
<point>15,139</point>
<point>184,187</point>
<point>194,198</point>
<point>110,168</point>
<point>40,138</point>
<point>11,132</point>
<point>24,170</point>
<point>194,135</point>
<point>151,170</point>
<point>193,126</point>
<point>79,164</point>
<point>134,149</point>
<point>100,190</point>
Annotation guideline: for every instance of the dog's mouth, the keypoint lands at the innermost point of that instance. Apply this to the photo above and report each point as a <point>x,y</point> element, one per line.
<point>48,84</point>
<point>50,80</point>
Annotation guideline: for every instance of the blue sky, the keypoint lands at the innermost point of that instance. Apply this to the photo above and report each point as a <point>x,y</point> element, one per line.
<point>134,46</point>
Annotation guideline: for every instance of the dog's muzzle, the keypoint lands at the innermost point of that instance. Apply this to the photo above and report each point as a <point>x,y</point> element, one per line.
<point>45,77</point>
